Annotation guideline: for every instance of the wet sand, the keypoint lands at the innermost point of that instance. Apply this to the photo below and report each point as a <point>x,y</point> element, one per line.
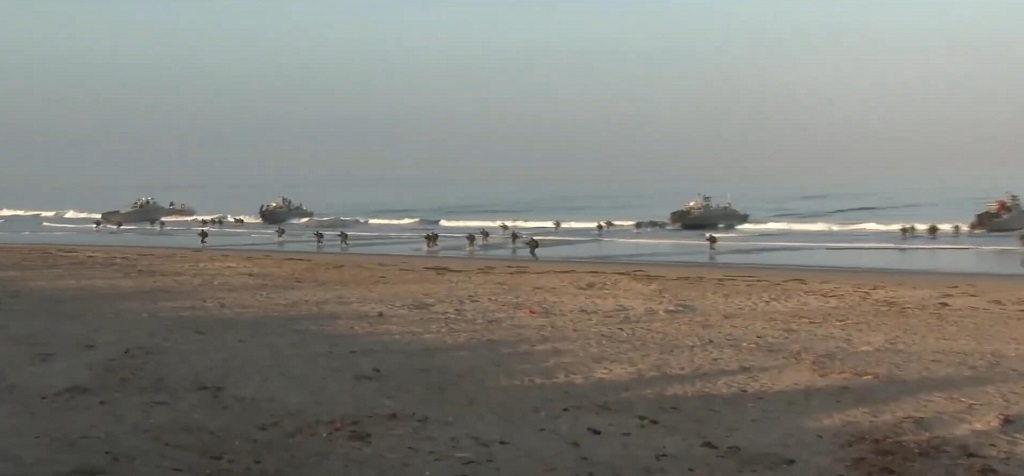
<point>149,361</point>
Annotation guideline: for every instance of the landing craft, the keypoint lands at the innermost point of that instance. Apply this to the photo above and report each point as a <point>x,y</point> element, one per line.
<point>1001,215</point>
<point>147,209</point>
<point>703,214</point>
<point>282,210</point>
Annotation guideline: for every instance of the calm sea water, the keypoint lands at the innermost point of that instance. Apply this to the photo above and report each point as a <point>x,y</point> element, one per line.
<point>791,226</point>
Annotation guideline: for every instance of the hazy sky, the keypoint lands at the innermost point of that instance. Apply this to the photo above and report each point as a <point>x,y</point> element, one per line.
<point>509,91</point>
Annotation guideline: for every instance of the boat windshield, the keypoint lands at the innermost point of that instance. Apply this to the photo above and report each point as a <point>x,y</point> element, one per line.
<point>142,203</point>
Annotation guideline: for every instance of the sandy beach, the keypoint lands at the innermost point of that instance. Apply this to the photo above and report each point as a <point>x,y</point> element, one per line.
<point>168,362</point>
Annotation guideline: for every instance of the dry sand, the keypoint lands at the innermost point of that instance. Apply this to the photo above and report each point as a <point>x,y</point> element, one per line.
<point>138,362</point>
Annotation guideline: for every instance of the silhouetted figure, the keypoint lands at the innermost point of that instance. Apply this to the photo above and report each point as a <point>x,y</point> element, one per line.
<point>533,245</point>
<point>161,224</point>
<point>933,231</point>
<point>280,232</point>
<point>152,223</point>
<point>203,235</point>
<point>319,237</point>
<point>429,238</point>
<point>343,237</point>
<point>956,230</point>
<point>515,237</point>
<point>119,225</point>
<point>913,230</point>
<point>484,235</point>
<point>471,238</point>
<point>1021,238</point>
<point>904,232</point>
<point>558,225</point>
<point>712,240</point>
<point>638,226</point>
<point>97,224</point>
<point>600,227</point>
<point>608,224</point>
<point>504,228</point>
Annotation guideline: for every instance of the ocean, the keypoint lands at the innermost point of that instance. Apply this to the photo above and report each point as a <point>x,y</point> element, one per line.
<point>790,226</point>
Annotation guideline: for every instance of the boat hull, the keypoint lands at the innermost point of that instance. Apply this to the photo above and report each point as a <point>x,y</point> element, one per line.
<point>707,221</point>
<point>148,214</point>
<point>994,223</point>
<point>276,217</point>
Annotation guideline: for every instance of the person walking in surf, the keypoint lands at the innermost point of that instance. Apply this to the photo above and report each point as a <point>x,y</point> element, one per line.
<point>203,235</point>
<point>533,245</point>
<point>711,239</point>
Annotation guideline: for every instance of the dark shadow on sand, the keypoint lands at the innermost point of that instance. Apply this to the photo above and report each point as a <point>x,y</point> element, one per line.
<point>305,394</point>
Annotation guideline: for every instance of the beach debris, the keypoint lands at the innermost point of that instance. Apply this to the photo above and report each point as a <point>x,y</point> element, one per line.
<point>593,431</point>
<point>647,419</point>
<point>1004,419</point>
<point>360,436</point>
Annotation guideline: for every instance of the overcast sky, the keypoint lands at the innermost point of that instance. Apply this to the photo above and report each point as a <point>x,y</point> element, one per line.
<point>517,90</point>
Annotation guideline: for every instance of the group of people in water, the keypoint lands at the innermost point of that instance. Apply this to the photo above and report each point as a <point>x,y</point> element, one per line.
<point>933,231</point>
<point>431,238</point>
<point>342,236</point>
<point>485,236</point>
<point>532,244</point>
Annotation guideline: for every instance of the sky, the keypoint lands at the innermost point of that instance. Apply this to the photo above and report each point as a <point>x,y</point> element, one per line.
<point>514,92</point>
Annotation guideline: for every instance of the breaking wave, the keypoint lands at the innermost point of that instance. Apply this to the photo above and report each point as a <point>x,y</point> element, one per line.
<point>822,226</point>
<point>841,211</point>
<point>53,217</point>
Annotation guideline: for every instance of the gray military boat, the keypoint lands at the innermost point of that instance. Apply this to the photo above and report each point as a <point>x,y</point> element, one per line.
<point>147,209</point>
<point>1000,216</point>
<point>282,210</point>
<point>702,214</point>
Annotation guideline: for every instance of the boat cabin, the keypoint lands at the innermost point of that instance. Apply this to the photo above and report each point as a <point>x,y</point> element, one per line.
<point>1006,205</point>
<point>281,202</point>
<point>143,203</point>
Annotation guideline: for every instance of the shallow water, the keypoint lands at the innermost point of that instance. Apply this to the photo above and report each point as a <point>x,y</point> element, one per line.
<point>826,229</point>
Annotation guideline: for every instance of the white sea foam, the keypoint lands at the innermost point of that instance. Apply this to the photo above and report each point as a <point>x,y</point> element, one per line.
<point>476,223</point>
<point>822,226</point>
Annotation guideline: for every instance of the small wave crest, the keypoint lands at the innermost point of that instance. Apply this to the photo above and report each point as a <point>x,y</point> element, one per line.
<point>10,212</point>
<point>527,223</point>
<point>841,211</point>
<point>419,223</point>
